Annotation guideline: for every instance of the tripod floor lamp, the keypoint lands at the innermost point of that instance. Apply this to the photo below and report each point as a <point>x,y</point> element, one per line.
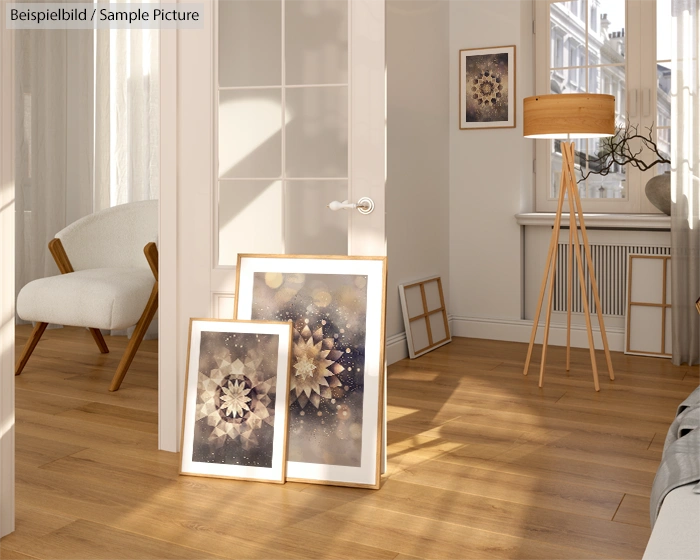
<point>571,115</point>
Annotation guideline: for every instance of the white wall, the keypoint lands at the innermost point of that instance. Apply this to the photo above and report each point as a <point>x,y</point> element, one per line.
<point>490,175</point>
<point>418,62</point>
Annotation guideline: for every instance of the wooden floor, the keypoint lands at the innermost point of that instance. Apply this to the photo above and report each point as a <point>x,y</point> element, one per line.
<point>482,464</point>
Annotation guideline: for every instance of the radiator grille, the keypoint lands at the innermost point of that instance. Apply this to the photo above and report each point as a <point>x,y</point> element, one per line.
<point>610,263</point>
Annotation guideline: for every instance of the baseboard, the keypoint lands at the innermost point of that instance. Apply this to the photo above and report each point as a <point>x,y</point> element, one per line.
<point>520,331</point>
<point>396,348</point>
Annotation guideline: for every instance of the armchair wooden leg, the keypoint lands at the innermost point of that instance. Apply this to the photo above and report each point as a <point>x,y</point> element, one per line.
<point>99,340</point>
<point>39,329</point>
<point>136,338</point>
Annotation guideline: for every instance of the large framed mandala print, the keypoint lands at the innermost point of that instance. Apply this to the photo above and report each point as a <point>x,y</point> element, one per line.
<point>236,400</point>
<point>487,88</point>
<point>336,305</point>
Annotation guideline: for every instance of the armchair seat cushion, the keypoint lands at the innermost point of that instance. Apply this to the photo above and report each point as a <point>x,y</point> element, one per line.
<point>100,298</point>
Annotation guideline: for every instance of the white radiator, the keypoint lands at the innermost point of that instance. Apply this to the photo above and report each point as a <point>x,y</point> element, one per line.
<point>610,264</point>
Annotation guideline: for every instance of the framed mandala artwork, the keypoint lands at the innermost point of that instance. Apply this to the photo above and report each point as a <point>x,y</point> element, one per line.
<point>487,88</point>
<point>336,306</point>
<point>236,391</point>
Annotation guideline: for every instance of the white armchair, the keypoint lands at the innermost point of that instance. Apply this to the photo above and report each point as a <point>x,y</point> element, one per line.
<point>105,281</point>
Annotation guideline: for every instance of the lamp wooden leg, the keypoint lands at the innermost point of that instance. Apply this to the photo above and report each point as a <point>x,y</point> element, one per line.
<point>136,338</point>
<point>569,161</point>
<point>594,284</point>
<point>540,299</point>
<point>545,337</point>
<point>39,329</point>
<point>569,285</point>
<point>551,257</point>
<point>99,340</point>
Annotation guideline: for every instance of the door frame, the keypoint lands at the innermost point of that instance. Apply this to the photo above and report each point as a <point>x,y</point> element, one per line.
<point>169,362</point>
<point>7,280</point>
<point>168,420</point>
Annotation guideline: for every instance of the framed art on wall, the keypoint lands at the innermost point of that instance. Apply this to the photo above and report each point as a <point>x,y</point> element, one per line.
<point>336,305</point>
<point>236,390</point>
<point>487,88</point>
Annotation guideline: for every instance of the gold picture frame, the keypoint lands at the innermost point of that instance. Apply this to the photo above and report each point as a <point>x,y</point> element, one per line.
<point>337,307</point>
<point>236,400</point>
<point>487,96</point>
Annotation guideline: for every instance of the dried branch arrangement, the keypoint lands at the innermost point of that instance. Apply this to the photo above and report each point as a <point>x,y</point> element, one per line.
<point>618,150</point>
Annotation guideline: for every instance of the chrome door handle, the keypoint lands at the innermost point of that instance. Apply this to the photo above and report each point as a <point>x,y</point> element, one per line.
<point>364,205</point>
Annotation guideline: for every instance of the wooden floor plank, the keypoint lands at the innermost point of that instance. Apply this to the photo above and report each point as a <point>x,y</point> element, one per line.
<point>516,488</point>
<point>590,535</point>
<point>634,510</point>
<point>33,524</point>
<point>38,451</point>
<point>430,538</point>
<point>529,460</point>
<point>87,540</point>
<point>8,554</point>
<point>482,463</point>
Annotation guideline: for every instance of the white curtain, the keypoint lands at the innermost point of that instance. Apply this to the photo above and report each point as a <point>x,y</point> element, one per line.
<point>685,182</point>
<point>87,132</point>
<point>126,116</point>
<point>127,119</point>
<point>54,142</point>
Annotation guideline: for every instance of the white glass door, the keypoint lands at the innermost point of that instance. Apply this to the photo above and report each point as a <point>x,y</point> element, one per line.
<point>299,89</point>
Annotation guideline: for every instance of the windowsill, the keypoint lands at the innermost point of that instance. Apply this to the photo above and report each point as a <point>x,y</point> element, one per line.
<point>607,221</point>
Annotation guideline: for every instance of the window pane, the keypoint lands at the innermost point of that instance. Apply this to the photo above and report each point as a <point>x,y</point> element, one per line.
<point>587,42</point>
<point>663,83</point>
<point>663,95</point>
<point>594,80</point>
<point>663,140</point>
<point>588,161</point>
<point>610,39</point>
<point>250,133</point>
<point>317,133</point>
<point>309,228</point>
<point>663,29</point>
<point>249,43</point>
<point>316,42</point>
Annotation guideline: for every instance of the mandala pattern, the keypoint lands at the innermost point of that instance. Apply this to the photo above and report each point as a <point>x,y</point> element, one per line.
<point>315,367</point>
<point>486,98</point>
<point>235,400</point>
<point>487,88</point>
<point>326,398</point>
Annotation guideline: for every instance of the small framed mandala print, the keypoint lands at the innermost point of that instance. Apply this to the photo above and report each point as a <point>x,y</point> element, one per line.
<point>487,88</point>
<point>236,400</point>
<point>336,306</point>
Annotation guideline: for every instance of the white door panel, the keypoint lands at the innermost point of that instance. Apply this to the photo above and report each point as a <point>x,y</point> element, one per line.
<point>263,150</point>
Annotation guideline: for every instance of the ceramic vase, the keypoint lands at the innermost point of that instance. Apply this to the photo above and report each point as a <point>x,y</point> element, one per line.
<point>658,191</point>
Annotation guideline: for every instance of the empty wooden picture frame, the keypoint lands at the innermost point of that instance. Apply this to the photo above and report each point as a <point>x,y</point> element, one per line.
<point>648,321</point>
<point>236,400</point>
<point>424,315</point>
<point>337,307</point>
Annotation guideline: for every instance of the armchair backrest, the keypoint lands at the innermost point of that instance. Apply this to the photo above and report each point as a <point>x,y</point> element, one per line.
<point>112,238</point>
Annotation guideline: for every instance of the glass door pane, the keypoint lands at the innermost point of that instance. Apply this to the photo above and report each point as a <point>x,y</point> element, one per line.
<point>283,84</point>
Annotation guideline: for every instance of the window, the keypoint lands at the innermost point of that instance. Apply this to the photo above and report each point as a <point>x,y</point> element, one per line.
<point>594,18</point>
<point>605,46</point>
<point>557,50</point>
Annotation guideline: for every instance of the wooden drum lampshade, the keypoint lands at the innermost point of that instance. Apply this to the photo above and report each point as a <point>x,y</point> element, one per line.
<point>571,115</point>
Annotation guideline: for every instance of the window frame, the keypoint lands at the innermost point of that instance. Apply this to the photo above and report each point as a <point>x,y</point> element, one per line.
<point>639,103</point>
